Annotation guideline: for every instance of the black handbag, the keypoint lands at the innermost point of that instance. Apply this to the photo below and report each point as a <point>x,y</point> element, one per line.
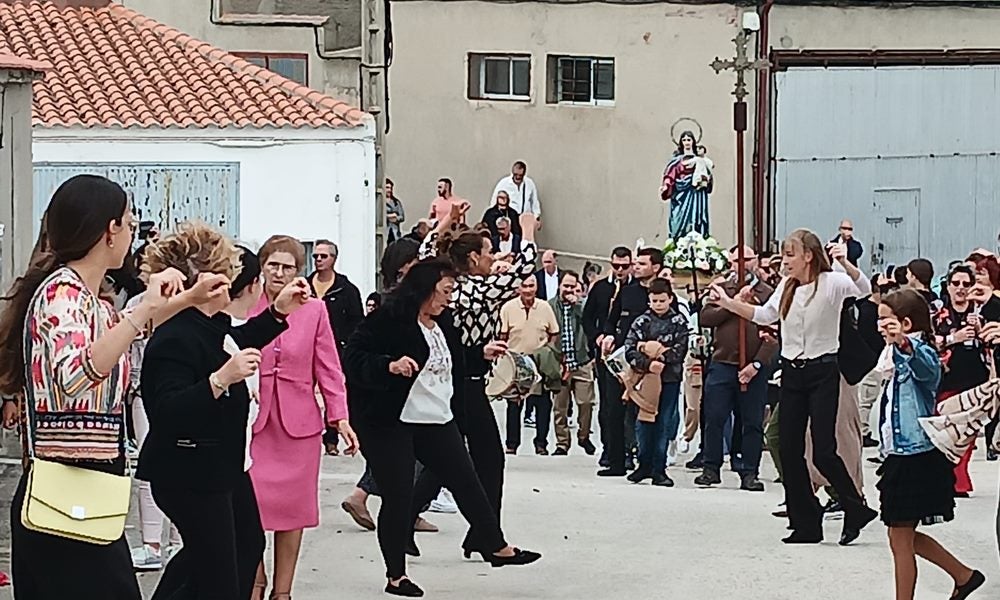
<point>856,357</point>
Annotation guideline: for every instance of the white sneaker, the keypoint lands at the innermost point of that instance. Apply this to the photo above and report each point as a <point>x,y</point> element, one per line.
<point>683,447</point>
<point>444,503</point>
<point>146,558</point>
<point>672,453</point>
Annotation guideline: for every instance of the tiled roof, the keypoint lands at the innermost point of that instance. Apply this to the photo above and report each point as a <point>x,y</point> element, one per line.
<point>112,67</point>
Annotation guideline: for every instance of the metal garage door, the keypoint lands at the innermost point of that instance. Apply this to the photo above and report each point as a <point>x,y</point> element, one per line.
<point>165,193</point>
<point>910,154</point>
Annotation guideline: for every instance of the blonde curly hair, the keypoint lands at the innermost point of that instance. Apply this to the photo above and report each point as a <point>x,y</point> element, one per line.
<point>193,249</point>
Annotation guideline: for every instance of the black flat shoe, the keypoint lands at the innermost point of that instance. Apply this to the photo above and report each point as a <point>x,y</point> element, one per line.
<point>521,557</point>
<point>411,549</point>
<point>663,480</point>
<point>610,472</point>
<point>974,583</point>
<point>404,588</point>
<point>802,538</point>
<point>853,531</point>
<point>639,475</point>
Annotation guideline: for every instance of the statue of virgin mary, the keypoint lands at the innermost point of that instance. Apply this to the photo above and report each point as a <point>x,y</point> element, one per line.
<point>687,195</point>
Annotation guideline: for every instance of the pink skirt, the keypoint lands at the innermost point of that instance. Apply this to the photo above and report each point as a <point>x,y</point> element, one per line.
<point>285,476</point>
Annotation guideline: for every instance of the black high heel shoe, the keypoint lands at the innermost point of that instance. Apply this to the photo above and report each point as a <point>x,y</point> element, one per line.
<point>520,557</point>
<point>468,552</point>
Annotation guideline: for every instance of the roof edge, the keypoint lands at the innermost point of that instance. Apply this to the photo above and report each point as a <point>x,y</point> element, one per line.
<point>16,63</point>
<point>352,115</point>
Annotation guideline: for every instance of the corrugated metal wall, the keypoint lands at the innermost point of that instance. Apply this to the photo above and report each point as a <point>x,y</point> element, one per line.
<point>909,154</point>
<point>166,193</point>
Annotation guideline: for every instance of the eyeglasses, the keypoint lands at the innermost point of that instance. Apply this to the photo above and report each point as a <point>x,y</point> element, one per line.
<point>280,268</point>
<point>961,284</point>
<point>620,267</point>
<point>847,228</point>
<point>320,256</point>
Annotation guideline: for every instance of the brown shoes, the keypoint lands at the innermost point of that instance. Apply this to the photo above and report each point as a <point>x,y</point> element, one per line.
<point>359,512</point>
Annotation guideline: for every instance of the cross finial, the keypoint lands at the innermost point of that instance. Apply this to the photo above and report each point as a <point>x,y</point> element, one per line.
<point>740,64</point>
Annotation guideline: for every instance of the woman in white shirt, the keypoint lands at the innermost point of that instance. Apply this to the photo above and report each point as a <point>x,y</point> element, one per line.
<point>808,303</point>
<point>404,364</point>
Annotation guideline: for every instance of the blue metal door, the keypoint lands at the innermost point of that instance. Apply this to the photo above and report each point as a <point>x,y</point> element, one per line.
<point>167,193</point>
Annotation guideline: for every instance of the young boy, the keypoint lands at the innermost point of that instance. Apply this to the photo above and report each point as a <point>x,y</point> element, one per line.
<point>657,343</point>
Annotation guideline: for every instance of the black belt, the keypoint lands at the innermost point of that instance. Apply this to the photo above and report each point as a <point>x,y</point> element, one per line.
<point>801,363</point>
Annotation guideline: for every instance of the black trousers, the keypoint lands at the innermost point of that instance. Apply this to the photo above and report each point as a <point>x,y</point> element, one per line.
<point>477,423</point>
<point>223,542</point>
<point>392,453</point>
<point>543,420</point>
<point>810,395</point>
<point>604,376</point>
<point>616,424</point>
<point>47,567</point>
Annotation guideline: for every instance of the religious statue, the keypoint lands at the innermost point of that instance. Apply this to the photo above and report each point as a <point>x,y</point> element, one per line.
<point>687,182</point>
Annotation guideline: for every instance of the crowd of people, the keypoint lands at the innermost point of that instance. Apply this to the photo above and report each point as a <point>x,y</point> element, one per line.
<point>231,374</point>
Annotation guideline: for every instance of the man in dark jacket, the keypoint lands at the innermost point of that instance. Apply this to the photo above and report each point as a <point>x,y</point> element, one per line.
<point>343,304</point>
<point>632,301</point>
<point>596,311</point>
<point>733,386</point>
<point>854,248</point>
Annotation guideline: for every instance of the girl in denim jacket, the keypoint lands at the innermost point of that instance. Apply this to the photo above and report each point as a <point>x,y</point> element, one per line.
<point>917,480</point>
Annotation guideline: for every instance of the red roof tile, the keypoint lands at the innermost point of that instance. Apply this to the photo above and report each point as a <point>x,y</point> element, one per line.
<point>112,67</point>
<point>16,63</point>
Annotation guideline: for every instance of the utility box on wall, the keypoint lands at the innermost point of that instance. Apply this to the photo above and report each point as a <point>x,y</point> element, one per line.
<point>16,231</point>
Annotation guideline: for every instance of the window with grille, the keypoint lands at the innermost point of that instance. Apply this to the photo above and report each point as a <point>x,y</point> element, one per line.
<point>581,80</point>
<point>500,77</point>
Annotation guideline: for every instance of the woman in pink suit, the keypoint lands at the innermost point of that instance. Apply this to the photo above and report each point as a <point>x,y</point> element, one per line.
<point>288,434</point>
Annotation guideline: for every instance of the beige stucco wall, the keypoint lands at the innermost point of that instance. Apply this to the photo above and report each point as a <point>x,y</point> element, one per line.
<point>598,169</point>
<point>817,28</point>
<point>337,77</point>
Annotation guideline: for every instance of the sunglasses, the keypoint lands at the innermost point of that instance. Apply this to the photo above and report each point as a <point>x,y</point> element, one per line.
<point>620,267</point>
<point>320,256</point>
<point>847,228</point>
<point>961,284</point>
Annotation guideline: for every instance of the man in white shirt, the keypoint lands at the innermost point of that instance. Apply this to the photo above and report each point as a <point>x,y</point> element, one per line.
<point>521,190</point>
<point>547,277</point>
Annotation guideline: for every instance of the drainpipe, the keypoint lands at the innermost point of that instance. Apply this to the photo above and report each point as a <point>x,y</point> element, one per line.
<point>760,159</point>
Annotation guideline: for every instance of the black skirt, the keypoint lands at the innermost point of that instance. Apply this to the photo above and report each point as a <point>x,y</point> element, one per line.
<point>917,488</point>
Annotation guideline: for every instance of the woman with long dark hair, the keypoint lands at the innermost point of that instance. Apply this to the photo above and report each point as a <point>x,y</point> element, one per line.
<point>808,303</point>
<point>198,406</point>
<point>482,286</point>
<point>66,351</point>
<point>405,366</point>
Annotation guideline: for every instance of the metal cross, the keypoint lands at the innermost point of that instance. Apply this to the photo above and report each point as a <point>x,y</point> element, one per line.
<point>740,64</point>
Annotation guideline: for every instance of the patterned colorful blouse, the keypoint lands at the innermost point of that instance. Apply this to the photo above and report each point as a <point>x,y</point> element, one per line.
<point>77,411</point>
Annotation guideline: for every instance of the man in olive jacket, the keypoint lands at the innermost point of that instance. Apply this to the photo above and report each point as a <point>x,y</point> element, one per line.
<point>578,367</point>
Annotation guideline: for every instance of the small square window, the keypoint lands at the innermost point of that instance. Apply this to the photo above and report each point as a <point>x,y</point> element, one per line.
<point>289,66</point>
<point>499,77</point>
<point>581,80</point>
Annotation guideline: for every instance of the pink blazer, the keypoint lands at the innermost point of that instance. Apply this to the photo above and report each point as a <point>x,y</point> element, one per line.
<point>301,359</point>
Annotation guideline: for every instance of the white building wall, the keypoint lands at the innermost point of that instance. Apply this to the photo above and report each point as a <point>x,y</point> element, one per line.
<point>306,188</point>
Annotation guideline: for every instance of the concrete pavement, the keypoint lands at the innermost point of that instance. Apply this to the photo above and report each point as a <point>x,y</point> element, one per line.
<point>609,539</point>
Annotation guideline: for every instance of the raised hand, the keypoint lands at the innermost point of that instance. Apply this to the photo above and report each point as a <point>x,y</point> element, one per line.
<point>161,287</point>
<point>292,297</point>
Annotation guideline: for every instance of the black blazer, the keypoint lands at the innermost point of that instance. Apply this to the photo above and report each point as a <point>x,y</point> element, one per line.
<point>196,441</point>
<point>375,396</point>
<point>542,293</point>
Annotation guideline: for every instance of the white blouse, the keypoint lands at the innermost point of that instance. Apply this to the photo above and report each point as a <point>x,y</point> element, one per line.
<point>429,402</point>
<point>253,386</point>
<point>812,327</point>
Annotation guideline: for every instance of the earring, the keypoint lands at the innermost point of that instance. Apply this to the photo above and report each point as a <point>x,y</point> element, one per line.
<point>111,242</point>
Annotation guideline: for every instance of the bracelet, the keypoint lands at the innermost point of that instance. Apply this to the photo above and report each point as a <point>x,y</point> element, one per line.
<point>213,380</point>
<point>277,314</point>
<point>131,321</point>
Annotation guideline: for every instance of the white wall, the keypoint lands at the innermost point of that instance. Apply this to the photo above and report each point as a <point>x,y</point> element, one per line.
<point>307,188</point>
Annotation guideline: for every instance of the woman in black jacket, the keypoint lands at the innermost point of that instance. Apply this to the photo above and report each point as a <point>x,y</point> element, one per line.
<point>197,403</point>
<point>404,366</point>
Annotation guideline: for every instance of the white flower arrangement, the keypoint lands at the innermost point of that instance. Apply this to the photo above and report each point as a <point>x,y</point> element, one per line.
<point>695,252</point>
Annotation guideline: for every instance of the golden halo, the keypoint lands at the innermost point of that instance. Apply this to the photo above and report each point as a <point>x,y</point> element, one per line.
<point>673,130</point>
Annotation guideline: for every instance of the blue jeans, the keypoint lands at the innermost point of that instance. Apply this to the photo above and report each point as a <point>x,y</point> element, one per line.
<point>654,437</point>
<point>721,398</point>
